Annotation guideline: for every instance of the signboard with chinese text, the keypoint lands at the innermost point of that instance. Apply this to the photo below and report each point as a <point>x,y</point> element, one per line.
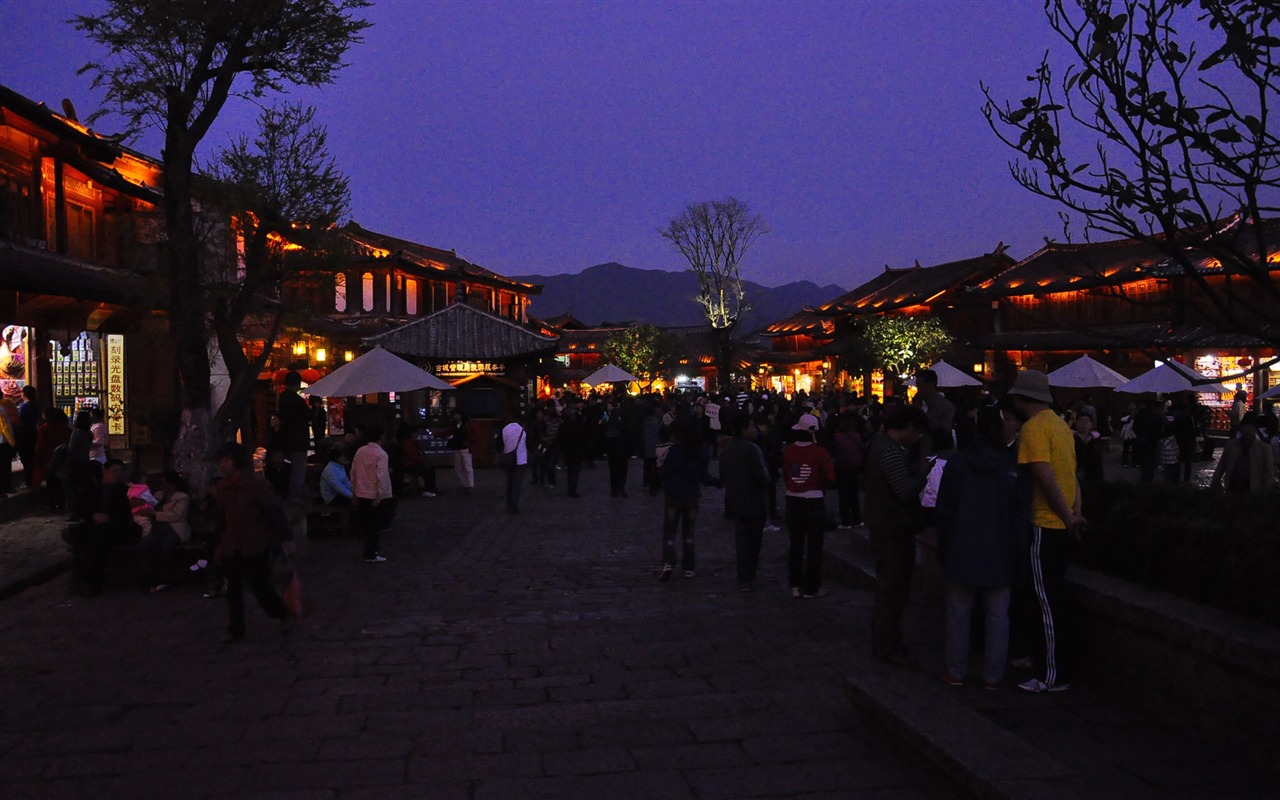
<point>458,369</point>
<point>115,384</point>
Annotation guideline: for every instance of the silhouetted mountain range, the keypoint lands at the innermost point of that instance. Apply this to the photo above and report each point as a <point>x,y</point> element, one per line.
<point>616,293</point>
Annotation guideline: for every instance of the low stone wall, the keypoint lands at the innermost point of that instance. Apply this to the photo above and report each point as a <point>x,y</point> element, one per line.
<point>1183,662</point>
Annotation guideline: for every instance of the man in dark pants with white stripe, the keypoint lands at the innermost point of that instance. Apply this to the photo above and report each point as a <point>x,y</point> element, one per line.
<point>1047,448</point>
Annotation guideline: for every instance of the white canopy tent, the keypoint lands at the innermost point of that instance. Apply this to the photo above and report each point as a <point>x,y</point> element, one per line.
<point>609,373</point>
<point>1170,377</point>
<point>1086,373</point>
<point>373,372</point>
<point>949,377</point>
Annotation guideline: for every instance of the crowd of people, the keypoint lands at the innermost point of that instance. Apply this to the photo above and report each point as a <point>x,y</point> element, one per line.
<point>994,484</point>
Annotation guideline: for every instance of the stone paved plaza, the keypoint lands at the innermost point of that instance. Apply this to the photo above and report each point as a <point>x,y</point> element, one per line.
<point>492,656</point>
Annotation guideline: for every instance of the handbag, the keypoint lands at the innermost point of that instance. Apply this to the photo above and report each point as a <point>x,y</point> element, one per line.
<point>507,458</point>
<point>296,598</point>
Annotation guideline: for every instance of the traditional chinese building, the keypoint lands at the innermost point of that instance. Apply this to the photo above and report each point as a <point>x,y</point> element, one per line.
<point>1125,303</point>
<point>79,276</point>
<point>375,288</point>
<point>820,348</point>
<point>791,362</point>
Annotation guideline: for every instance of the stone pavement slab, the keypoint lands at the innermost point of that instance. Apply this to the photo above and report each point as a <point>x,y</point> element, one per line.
<point>492,656</point>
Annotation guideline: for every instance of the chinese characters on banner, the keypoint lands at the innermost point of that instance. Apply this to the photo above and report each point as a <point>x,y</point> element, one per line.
<point>115,384</point>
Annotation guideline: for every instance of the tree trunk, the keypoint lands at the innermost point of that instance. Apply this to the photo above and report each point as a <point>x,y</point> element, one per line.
<point>186,309</point>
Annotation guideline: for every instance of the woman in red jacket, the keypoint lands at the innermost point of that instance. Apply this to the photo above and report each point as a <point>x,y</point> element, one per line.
<point>807,469</point>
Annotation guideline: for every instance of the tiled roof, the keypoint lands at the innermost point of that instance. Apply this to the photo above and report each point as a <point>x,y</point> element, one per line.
<point>899,288</point>
<point>803,321</point>
<point>427,259</point>
<point>1068,267</point>
<point>462,331</point>
<point>1152,334</point>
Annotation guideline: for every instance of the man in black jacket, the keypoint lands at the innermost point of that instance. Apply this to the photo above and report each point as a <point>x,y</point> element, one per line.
<point>110,523</point>
<point>746,483</point>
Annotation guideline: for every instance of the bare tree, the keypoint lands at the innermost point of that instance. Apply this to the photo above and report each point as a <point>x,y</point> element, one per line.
<point>1186,157</point>
<point>174,64</point>
<point>288,188</point>
<point>714,236</point>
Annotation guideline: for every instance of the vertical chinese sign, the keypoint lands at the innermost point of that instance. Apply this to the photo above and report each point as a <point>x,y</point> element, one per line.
<point>115,384</point>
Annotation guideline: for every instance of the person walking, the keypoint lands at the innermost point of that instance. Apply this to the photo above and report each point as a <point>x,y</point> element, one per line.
<point>746,479</point>
<point>984,501</point>
<point>807,469</point>
<point>617,447</point>
<point>575,439</point>
<point>1247,464</point>
<point>894,517</point>
<point>371,492</point>
<point>515,447</point>
<point>1047,448</point>
<point>461,439</point>
<point>683,473</point>
<point>294,434</point>
<point>846,452</point>
<point>253,524</point>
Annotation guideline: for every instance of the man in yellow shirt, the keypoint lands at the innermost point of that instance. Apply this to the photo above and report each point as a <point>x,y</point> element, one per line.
<point>1047,448</point>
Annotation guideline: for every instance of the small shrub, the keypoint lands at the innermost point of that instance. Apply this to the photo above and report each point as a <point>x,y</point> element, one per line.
<point>1217,549</point>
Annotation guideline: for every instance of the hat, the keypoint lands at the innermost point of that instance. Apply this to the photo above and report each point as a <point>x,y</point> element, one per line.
<point>1032,384</point>
<point>807,422</point>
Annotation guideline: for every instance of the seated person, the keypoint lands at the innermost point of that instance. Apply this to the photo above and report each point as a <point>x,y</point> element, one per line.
<point>276,470</point>
<point>335,484</point>
<point>109,523</point>
<point>412,465</point>
<point>169,528</point>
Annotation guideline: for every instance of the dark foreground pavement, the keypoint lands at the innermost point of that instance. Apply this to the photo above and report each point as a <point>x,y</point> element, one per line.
<point>491,657</point>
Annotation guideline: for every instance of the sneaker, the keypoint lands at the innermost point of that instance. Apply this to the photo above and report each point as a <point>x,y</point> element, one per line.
<point>666,573</point>
<point>1037,686</point>
<point>199,565</point>
<point>159,587</point>
<point>844,527</point>
<point>952,680</point>
<point>819,593</point>
<point>375,560</point>
<point>428,494</point>
<point>991,687</point>
<point>1021,663</point>
<point>771,528</point>
<point>688,573</point>
<point>796,593</point>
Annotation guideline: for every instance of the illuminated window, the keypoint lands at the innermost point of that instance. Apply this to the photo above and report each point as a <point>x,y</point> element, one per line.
<point>411,297</point>
<point>340,292</point>
<point>366,285</point>
<point>387,295</point>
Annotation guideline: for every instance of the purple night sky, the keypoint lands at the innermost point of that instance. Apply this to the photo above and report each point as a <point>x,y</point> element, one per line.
<point>545,137</point>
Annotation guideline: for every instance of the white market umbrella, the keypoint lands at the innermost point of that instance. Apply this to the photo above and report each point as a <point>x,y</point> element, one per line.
<point>1172,377</point>
<point>609,373</point>
<point>1086,373</point>
<point>373,372</point>
<point>949,377</point>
